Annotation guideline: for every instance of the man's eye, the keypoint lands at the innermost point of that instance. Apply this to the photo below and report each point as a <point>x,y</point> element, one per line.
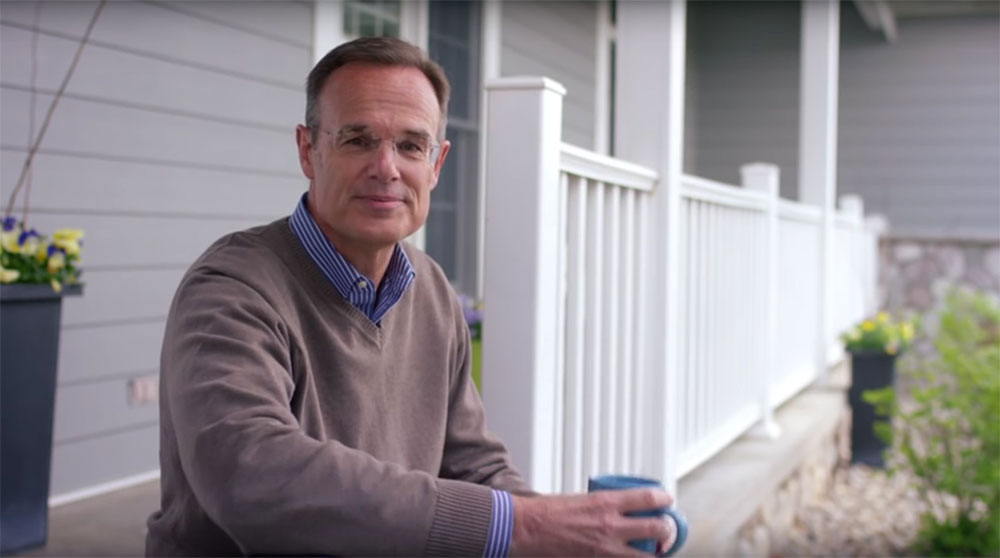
<point>358,141</point>
<point>410,147</point>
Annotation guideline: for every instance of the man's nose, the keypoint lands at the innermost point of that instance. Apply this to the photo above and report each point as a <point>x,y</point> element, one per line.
<point>383,166</point>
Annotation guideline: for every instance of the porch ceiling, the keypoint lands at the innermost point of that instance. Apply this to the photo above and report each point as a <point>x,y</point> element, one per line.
<point>936,8</point>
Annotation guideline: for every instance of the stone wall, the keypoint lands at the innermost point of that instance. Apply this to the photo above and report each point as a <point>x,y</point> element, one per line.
<point>914,274</point>
<point>768,532</point>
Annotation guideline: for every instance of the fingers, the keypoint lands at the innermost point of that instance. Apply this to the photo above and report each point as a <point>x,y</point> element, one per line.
<point>664,544</point>
<point>640,499</point>
<point>633,528</point>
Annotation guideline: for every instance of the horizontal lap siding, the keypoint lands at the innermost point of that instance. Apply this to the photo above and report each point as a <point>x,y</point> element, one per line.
<point>743,89</point>
<point>918,138</point>
<point>177,127</point>
<point>919,135</point>
<point>556,40</point>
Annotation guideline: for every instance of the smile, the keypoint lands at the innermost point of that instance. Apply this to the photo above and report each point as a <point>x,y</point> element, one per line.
<point>380,202</point>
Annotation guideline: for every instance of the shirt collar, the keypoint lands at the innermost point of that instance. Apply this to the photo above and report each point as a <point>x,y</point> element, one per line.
<point>349,282</point>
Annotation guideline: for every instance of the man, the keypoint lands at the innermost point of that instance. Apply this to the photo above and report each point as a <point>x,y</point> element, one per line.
<point>316,397</point>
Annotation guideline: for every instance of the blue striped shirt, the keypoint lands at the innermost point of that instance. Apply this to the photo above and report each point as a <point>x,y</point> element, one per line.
<point>373,300</point>
<point>374,303</point>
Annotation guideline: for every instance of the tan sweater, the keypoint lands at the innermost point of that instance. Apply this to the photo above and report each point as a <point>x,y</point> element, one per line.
<point>290,424</point>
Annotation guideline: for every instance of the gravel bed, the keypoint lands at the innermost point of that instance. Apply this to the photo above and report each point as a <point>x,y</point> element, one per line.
<point>865,513</point>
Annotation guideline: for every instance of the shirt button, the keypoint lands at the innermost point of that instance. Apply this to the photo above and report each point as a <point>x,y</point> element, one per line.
<point>362,284</point>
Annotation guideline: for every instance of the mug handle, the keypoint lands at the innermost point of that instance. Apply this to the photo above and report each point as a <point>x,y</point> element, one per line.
<point>682,531</point>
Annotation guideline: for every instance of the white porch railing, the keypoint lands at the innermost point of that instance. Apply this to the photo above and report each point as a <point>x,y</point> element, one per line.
<point>568,239</point>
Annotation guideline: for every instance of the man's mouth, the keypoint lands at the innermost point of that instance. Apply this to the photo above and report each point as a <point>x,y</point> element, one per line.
<point>381,201</point>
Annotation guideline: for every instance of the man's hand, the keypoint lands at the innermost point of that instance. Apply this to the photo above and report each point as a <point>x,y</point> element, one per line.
<point>589,524</point>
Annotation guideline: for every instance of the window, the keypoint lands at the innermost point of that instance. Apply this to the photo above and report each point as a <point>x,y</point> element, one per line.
<point>371,18</point>
<point>450,31</point>
<point>452,227</point>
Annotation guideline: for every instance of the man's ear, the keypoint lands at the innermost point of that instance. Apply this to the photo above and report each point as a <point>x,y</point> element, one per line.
<point>445,147</point>
<point>303,139</point>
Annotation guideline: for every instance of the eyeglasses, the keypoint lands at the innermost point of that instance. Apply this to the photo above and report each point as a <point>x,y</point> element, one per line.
<point>411,147</point>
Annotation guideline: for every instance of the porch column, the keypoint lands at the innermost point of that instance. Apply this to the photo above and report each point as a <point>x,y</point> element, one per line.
<point>649,130</point>
<point>524,122</point>
<point>818,142</point>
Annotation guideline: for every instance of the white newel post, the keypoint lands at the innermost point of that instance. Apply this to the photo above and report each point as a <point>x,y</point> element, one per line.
<point>819,61</point>
<point>851,204</point>
<point>763,178</point>
<point>524,122</point>
<point>649,130</point>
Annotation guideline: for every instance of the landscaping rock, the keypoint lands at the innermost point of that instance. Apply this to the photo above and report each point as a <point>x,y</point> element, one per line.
<point>865,513</point>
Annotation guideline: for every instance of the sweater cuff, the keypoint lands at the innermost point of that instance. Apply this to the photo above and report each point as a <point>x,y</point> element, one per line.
<point>461,519</point>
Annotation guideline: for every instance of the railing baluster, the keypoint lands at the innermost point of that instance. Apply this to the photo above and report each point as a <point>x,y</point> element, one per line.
<point>628,250</point>
<point>595,320</point>
<point>611,371</point>
<point>641,459</point>
<point>576,313</point>
<point>558,466</point>
<point>683,320</point>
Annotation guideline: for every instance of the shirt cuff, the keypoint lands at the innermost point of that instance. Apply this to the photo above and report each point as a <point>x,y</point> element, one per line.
<point>501,526</point>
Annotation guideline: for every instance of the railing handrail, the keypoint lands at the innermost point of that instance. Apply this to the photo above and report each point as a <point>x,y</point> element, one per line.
<point>848,221</point>
<point>798,211</point>
<point>712,191</point>
<point>601,168</point>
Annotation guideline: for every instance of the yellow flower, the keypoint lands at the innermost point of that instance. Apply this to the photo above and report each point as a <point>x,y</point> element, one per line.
<point>71,247</point>
<point>891,349</point>
<point>8,275</point>
<point>867,325</point>
<point>43,252</point>
<point>56,262</point>
<point>55,285</point>
<point>67,235</point>
<point>9,241</point>
<point>906,331</point>
<point>882,317</point>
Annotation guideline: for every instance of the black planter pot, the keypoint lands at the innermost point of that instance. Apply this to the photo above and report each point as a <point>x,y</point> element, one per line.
<point>29,349</point>
<point>868,371</point>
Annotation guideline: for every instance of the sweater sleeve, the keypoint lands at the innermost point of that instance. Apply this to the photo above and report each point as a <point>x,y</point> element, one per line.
<point>471,452</point>
<point>226,369</point>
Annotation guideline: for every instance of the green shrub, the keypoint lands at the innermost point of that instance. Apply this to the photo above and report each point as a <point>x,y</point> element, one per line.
<point>947,433</point>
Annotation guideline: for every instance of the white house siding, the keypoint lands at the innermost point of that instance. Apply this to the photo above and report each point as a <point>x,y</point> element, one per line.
<point>742,89</point>
<point>556,40</point>
<point>920,125</point>
<point>176,128</point>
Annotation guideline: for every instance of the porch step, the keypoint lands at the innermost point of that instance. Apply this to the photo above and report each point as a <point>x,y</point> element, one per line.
<point>724,493</point>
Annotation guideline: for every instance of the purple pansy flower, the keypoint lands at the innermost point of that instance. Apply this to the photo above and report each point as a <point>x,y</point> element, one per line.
<point>9,223</point>
<point>25,235</point>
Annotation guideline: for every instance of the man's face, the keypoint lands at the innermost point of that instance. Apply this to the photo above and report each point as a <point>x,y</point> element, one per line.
<point>367,186</point>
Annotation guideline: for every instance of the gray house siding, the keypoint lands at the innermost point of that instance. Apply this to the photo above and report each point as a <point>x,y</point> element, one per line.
<point>556,40</point>
<point>920,125</point>
<point>742,89</point>
<point>176,128</point>
<point>918,119</point>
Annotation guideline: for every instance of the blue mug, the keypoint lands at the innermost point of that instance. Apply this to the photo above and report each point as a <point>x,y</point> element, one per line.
<point>625,482</point>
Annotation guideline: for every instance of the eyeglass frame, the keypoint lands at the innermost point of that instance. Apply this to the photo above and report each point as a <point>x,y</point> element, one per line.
<point>433,146</point>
